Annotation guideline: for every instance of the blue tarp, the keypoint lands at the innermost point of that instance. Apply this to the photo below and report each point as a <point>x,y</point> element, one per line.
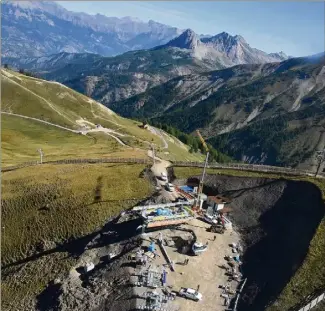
<point>237,258</point>
<point>163,212</point>
<point>187,188</point>
<point>151,247</point>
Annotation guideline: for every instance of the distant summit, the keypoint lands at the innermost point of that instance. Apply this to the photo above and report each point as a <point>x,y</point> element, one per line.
<point>39,27</point>
<point>187,40</point>
<point>281,55</point>
<point>227,49</point>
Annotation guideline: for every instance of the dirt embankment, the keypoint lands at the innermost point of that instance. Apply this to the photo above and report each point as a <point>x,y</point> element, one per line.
<point>277,220</point>
<point>104,288</point>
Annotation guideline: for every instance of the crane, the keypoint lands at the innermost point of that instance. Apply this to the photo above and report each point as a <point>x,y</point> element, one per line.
<point>205,163</point>
<point>320,157</point>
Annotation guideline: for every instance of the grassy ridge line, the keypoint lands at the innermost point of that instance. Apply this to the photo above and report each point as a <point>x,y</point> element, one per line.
<point>310,277</point>
<point>56,104</point>
<point>50,101</point>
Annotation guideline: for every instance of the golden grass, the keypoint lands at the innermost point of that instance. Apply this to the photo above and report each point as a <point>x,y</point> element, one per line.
<point>55,103</point>
<point>20,139</point>
<point>56,203</point>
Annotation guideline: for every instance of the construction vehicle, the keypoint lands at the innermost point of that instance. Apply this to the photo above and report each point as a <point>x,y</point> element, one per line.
<point>211,219</point>
<point>200,189</point>
<point>170,187</point>
<point>215,228</point>
<point>190,293</point>
<point>199,248</point>
<point>163,176</point>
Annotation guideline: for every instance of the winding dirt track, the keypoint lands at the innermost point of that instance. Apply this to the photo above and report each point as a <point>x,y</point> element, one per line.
<point>102,129</point>
<point>158,132</point>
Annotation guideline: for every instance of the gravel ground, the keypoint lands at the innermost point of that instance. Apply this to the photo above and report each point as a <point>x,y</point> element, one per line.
<point>204,270</point>
<point>277,220</point>
<point>107,286</point>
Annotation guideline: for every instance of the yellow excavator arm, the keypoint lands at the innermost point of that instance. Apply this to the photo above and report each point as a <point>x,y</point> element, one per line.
<point>205,164</point>
<point>202,141</point>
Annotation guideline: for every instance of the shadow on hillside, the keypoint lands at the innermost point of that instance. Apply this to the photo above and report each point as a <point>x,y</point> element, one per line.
<point>277,220</point>
<point>48,298</point>
<point>288,229</point>
<point>73,247</point>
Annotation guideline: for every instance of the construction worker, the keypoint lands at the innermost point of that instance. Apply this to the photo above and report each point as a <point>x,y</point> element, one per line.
<point>227,301</point>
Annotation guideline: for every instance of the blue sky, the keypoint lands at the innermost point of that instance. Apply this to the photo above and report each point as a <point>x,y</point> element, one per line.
<point>297,28</point>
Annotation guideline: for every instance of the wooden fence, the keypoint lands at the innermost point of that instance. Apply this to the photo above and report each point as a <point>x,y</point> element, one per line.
<point>235,166</point>
<point>79,161</point>
<point>250,167</point>
<point>313,303</point>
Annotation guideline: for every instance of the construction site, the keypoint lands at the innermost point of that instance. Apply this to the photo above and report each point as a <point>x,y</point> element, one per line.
<point>162,257</point>
<point>185,249</point>
<point>181,254</point>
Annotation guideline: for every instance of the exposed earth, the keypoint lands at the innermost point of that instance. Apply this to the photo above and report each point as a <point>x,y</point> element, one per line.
<point>269,220</point>
<point>277,220</point>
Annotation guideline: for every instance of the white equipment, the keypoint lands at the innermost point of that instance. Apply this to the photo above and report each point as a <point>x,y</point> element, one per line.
<point>190,293</point>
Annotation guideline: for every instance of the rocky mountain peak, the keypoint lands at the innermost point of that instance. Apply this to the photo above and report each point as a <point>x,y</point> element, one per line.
<point>187,40</point>
<point>21,21</point>
<point>224,40</point>
<point>45,6</point>
<point>239,38</point>
<point>280,55</point>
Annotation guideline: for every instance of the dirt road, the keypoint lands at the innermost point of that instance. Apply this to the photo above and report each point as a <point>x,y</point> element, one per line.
<point>157,169</point>
<point>84,132</point>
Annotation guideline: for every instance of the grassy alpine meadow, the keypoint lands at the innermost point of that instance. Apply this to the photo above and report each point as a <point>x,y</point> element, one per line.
<point>21,138</point>
<point>46,211</point>
<point>175,152</point>
<point>56,103</point>
<point>310,277</point>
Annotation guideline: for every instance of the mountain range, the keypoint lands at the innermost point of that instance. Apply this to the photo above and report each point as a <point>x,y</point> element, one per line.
<point>228,50</point>
<point>39,28</point>
<point>258,107</point>
<point>270,113</point>
<point>111,79</point>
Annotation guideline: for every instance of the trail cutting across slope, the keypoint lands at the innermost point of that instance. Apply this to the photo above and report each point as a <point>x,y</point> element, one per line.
<point>39,120</point>
<point>42,98</point>
<point>157,132</point>
<point>101,129</point>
